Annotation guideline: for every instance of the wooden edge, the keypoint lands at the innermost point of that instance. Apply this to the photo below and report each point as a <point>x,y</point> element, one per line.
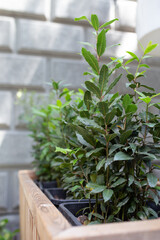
<point>137,230</point>
<point>47,218</point>
<point>158,183</point>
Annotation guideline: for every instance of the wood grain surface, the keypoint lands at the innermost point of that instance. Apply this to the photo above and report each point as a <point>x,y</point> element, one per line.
<point>40,220</point>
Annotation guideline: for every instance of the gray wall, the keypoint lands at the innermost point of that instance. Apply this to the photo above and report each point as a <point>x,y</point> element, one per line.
<point>39,40</point>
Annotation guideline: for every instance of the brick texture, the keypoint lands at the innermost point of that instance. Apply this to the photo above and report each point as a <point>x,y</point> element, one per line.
<point>21,71</point>
<point>5,109</point>
<point>3,190</point>
<point>6,37</point>
<point>25,8</point>
<point>15,148</point>
<point>48,37</point>
<point>67,9</point>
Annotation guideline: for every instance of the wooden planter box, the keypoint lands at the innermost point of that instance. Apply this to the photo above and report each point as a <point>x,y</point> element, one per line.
<point>40,220</point>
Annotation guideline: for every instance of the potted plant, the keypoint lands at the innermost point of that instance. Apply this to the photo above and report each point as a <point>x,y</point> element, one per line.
<point>106,154</point>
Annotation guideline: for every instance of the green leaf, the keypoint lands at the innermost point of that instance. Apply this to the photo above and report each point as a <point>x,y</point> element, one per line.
<point>103,78</point>
<point>87,99</point>
<point>103,108</point>
<point>90,123</point>
<point>113,83</point>
<point>120,156</point>
<point>130,180</point>
<point>130,77</point>
<point>81,140</point>
<point>150,47</point>
<point>124,136</point>
<point>114,147</point>
<point>129,61</point>
<point>93,88</point>
<point>59,103</point>
<point>63,150</point>
<point>132,108</point>
<point>98,216</point>
<point>108,162</point>
<point>83,18</point>
<point>133,55</point>
<point>95,188</point>
<point>109,137</point>
<point>94,151</point>
<point>150,88</point>
<point>87,136</point>
<point>145,99</point>
<point>91,59</point>
<point>108,23</point>
<point>122,203</point>
<point>154,196</point>
<point>107,194</point>
<point>100,164</point>
<point>144,65</point>
<point>152,179</point>
<point>152,212</point>
<point>132,208</point>
<point>118,182</point>
<point>141,215</point>
<point>126,101</point>
<point>101,43</point>
<point>95,21</point>
<point>110,116</point>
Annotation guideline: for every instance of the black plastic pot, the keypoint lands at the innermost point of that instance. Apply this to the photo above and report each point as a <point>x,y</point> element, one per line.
<point>45,185</point>
<point>72,211</point>
<point>58,196</point>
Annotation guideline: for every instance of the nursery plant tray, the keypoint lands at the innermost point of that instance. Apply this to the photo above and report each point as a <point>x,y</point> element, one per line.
<point>41,220</point>
<point>58,196</point>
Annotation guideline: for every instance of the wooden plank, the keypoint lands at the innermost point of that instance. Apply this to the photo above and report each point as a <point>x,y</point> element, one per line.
<point>49,221</point>
<point>137,230</point>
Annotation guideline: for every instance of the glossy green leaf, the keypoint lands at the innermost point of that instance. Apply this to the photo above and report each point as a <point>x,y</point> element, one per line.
<point>108,23</point>
<point>113,83</point>
<point>126,101</point>
<point>100,164</point>
<point>109,137</point>
<point>122,203</point>
<point>95,188</point>
<point>150,47</point>
<point>87,136</point>
<point>144,65</point>
<point>91,59</point>
<point>121,156</point>
<point>87,99</point>
<point>95,21</point>
<point>83,18</point>
<point>118,182</point>
<point>110,116</point>
<point>130,180</point>
<point>93,88</point>
<point>152,179</point>
<point>94,151</point>
<point>124,136</point>
<point>103,78</point>
<point>132,108</point>
<point>107,194</point>
<point>103,108</point>
<point>101,43</point>
<point>133,55</point>
<point>114,147</point>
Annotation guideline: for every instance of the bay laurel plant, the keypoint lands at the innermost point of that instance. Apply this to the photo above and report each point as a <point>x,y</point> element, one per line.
<point>116,137</point>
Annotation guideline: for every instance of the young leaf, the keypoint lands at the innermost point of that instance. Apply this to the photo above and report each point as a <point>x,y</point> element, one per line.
<point>113,84</point>
<point>108,23</point>
<point>63,150</point>
<point>150,47</point>
<point>93,88</point>
<point>120,156</point>
<point>101,43</point>
<point>83,18</point>
<point>144,65</point>
<point>152,179</point>
<point>91,59</point>
<point>103,78</point>
<point>107,194</point>
<point>95,21</point>
<point>133,55</point>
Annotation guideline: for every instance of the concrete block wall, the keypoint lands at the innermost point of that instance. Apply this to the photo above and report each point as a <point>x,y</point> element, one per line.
<point>39,40</point>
